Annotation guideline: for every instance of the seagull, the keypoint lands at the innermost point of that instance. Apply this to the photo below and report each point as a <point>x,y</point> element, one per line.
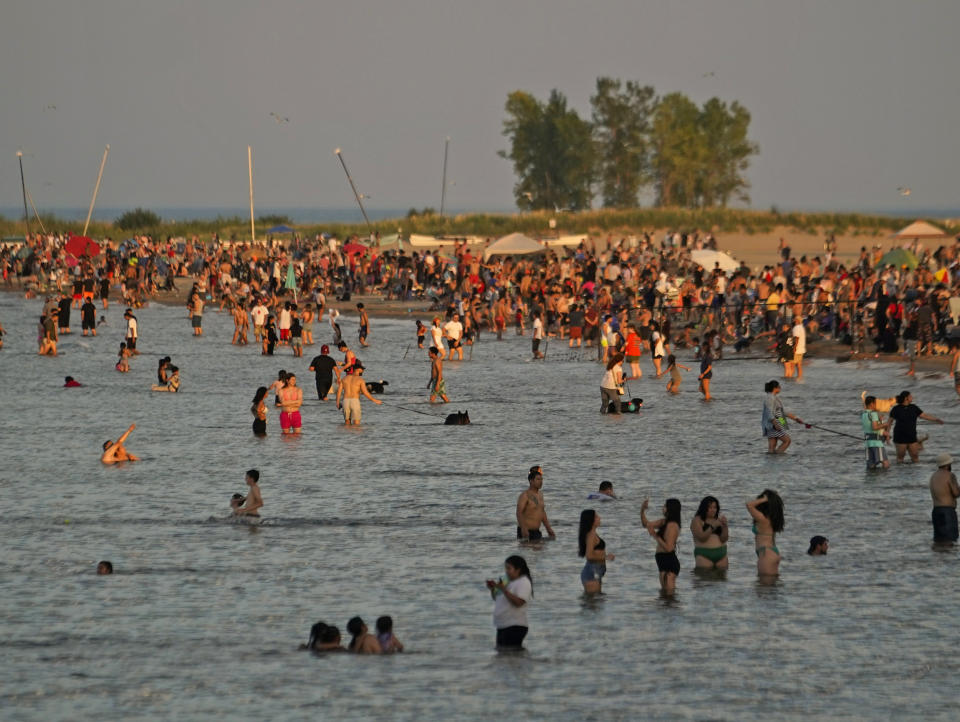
<point>50,107</point>
<point>711,74</point>
<point>280,118</point>
<point>904,191</point>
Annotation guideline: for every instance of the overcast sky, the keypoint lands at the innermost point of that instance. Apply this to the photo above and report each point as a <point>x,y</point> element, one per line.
<point>850,99</point>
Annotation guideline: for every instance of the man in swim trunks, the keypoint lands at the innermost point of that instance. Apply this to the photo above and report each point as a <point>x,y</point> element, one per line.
<point>874,433</point>
<point>291,398</point>
<point>348,395</point>
<point>453,332</point>
<point>254,501</point>
<point>437,384</point>
<point>114,451</point>
<point>531,512</point>
<point>944,490</point>
<point>364,325</point>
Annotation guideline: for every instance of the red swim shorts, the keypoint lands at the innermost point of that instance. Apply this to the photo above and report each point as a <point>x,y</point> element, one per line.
<point>289,419</point>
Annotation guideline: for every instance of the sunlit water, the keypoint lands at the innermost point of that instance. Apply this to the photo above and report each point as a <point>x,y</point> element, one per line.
<point>407,517</point>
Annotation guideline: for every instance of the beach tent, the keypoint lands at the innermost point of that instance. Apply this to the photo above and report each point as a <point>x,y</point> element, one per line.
<point>280,229</point>
<point>920,229</point>
<point>898,257</point>
<point>516,244</point>
<point>707,258</point>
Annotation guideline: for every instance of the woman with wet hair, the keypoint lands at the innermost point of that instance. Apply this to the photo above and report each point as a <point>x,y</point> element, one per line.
<point>362,642</point>
<point>767,513</point>
<point>710,534</point>
<point>259,411</point>
<point>593,549</point>
<point>665,531</point>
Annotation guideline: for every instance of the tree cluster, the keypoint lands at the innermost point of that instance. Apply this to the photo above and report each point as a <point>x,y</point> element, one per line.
<point>635,141</point>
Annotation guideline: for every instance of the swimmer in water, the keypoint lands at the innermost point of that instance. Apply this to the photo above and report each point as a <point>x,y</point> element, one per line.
<point>114,451</point>
<point>104,567</point>
<point>251,505</point>
<point>236,501</point>
<point>385,636</point>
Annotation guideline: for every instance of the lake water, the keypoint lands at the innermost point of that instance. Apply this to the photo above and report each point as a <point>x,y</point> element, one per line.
<point>407,517</point>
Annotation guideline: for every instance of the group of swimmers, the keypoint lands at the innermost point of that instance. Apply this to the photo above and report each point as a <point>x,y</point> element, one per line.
<point>326,638</point>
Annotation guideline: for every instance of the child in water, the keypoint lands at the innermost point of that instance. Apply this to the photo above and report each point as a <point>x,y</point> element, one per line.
<point>673,385</point>
<point>388,642</point>
<point>122,364</point>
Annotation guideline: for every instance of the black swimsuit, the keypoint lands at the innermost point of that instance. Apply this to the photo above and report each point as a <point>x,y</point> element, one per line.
<point>667,561</point>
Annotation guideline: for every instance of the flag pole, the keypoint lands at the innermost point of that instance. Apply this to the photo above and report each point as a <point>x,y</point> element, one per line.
<point>253,235</point>
<point>96,189</point>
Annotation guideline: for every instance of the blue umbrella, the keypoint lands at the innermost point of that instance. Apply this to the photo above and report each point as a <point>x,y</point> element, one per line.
<point>280,229</point>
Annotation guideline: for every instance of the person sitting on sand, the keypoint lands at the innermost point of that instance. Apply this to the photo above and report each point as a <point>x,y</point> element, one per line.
<point>114,451</point>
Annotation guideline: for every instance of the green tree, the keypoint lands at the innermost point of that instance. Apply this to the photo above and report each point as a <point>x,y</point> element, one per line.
<point>621,125</point>
<point>676,150</point>
<point>728,152</point>
<point>552,152</point>
<point>137,219</point>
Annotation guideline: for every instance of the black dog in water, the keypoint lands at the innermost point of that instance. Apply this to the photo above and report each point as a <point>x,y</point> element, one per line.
<point>461,418</point>
<point>632,406</point>
<point>376,387</point>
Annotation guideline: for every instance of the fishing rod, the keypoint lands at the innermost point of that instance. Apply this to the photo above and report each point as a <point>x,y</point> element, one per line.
<point>832,431</point>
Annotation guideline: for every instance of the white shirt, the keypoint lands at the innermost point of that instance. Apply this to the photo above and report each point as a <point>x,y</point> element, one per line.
<point>284,318</point>
<point>259,315</point>
<point>132,328</point>
<point>537,328</point>
<point>454,330</point>
<point>505,614</point>
<point>436,333</point>
<point>799,339</point>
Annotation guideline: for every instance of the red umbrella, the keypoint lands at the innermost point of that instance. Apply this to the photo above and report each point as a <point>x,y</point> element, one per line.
<point>71,261</point>
<point>352,248</point>
<point>82,246</point>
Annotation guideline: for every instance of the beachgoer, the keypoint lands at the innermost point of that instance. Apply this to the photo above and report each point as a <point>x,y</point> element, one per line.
<point>632,348</point>
<point>453,332</point>
<point>362,642</point>
<point>944,490</point>
<point>437,384</point>
<point>133,331</point>
<point>333,315</point>
<point>291,399</point>
<point>611,385</point>
<point>657,349</point>
<point>324,638</point>
<point>875,432</point>
<point>115,451</point>
<point>241,323</point>
<point>253,502</point>
<point>774,420</point>
<point>510,602</point>
<point>236,501</point>
<point>799,334</point>
<point>71,383</point>
<point>604,493</point>
<point>673,385</point>
<point>436,335</point>
<point>421,333</point>
<point>296,336</point>
<point>385,636</point>
<point>196,313</point>
<point>710,534</point>
<point>324,367</point>
<point>349,391</point>
<point>364,330</point>
<point>905,415</point>
<point>593,549</point>
<point>88,318</point>
<point>531,510</point>
<point>259,411</point>
<point>537,335</point>
<point>818,546</point>
<point>665,531</point>
<point>259,315</point>
<point>767,513</point>
<point>104,568</point>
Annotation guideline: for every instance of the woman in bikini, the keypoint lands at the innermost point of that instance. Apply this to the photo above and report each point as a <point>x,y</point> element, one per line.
<point>259,411</point>
<point>665,531</point>
<point>593,549</point>
<point>710,535</point>
<point>767,513</point>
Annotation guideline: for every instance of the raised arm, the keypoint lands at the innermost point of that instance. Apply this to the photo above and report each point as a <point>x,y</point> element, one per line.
<point>752,508</point>
<point>133,426</point>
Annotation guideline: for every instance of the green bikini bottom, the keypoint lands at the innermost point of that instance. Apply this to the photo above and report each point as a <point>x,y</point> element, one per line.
<point>714,554</point>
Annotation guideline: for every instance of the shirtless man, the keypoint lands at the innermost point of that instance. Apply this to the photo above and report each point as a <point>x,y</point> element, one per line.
<point>944,490</point>
<point>348,395</point>
<point>254,501</point>
<point>241,322</point>
<point>364,325</point>
<point>114,451</point>
<point>291,398</point>
<point>531,513</point>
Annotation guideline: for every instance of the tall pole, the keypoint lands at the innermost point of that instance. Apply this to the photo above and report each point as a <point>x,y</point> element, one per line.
<point>443,190</point>
<point>355,194</point>
<point>23,186</point>
<point>96,189</point>
<point>253,235</point>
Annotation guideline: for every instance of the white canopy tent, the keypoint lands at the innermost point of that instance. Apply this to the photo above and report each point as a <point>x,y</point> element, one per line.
<point>516,244</point>
<point>707,258</point>
<point>920,229</point>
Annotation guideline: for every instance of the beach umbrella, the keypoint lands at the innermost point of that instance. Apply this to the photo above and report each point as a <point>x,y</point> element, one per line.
<point>515,244</point>
<point>898,257</point>
<point>707,258</point>
<point>352,248</point>
<point>82,246</point>
<point>282,228</point>
<point>920,229</point>
<point>291,282</point>
<point>71,261</point>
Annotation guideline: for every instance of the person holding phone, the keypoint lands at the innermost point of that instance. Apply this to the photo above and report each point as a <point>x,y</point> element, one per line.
<point>510,603</point>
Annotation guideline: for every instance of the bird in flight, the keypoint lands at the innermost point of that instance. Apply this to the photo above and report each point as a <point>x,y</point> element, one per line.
<point>711,74</point>
<point>904,191</point>
<point>280,118</point>
<point>50,107</point>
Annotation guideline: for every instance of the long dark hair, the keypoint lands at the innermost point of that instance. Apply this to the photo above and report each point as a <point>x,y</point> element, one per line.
<point>316,632</point>
<point>705,504</point>
<point>587,517</point>
<point>672,515</point>
<point>258,397</point>
<point>772,508</point>
<point>520,564</point>
<point>355,627</point>
<point>614,360</point>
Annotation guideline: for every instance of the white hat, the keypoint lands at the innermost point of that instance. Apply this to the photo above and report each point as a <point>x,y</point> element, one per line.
<point>944,460</point>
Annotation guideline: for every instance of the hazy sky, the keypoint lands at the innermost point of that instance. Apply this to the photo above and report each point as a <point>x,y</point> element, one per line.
<point>850,99</point>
